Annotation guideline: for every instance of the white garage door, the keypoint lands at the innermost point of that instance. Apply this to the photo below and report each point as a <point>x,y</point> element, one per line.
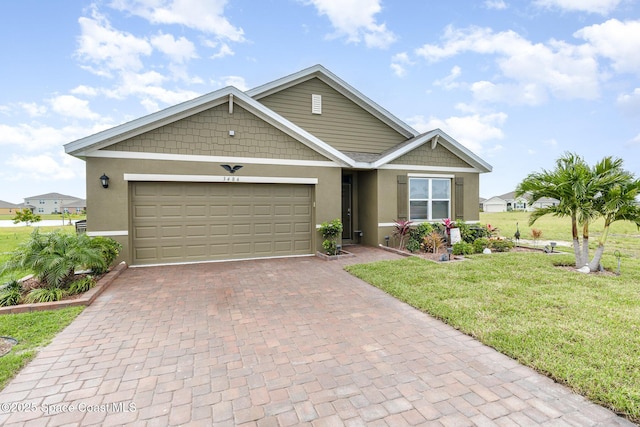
<point>188,222</point>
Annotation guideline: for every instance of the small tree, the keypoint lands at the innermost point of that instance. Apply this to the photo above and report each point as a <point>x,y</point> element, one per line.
<point>331,231</point>
<point>25,215</point>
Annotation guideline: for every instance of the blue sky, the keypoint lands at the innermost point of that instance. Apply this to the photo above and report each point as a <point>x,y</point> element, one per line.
<point>517,82</point>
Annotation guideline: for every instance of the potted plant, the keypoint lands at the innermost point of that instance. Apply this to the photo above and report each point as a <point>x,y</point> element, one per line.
<point>331,231</point>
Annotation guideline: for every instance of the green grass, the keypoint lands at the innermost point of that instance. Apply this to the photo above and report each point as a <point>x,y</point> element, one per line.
<point>623,235</point>
<point>48,216</point>
<point>581,330</point>
<point>33,331</point>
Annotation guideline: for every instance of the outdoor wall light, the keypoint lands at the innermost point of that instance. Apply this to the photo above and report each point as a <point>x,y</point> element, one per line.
<point>104,180</point>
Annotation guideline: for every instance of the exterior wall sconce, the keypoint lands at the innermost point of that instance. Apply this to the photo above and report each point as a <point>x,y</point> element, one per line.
<point>104,180</point>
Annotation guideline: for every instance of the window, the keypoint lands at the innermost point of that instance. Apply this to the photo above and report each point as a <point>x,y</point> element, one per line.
<point>429,199</point>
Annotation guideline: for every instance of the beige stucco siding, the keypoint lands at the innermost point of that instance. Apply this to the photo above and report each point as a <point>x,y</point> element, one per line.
<point>207,134</point>
<point>387,194</point>
<point>426,156</point>
<point>342,124</point>
<point>108,209</point>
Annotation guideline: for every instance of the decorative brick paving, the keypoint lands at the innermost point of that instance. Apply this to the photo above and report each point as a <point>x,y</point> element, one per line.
<point>281,342</point>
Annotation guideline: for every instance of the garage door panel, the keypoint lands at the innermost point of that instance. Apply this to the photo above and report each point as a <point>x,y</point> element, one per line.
<point>241,230</point>
<point>182,222</point>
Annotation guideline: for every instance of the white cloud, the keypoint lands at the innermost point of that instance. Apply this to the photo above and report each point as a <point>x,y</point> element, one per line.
<point>37,137</point>
<point>472,131</point>
<point>235,81</point>
<point>207,16</point>
<point>223,50</point>
<point>355,19</point>
<point>495,4</point>
<point>533,70</point>
<point>178,50</point>
<point>71,106</point>
<point>106,48</point>
<point>449,82</point>
<point>33,109</point>
<point>602,7</point>
<point>399,62</point>
<point>617,41</point>
<point>41,167</point>
<point>630,101</point>
<point>84,90</point>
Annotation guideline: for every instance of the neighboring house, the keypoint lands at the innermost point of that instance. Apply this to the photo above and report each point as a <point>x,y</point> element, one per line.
<point>7,208</point>
<point>233,175</point>
<point>481,204</point>
<point>509,202</point>
<point>50,203</point>
<point>77,206</point>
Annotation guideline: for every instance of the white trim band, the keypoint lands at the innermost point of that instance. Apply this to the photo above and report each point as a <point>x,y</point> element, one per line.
<point>429,175</point>
<point>218,178</point>
<point>108,233</point>
<point>429,168</point>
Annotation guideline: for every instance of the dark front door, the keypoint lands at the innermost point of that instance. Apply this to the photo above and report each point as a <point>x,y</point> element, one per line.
<point>347,208</point>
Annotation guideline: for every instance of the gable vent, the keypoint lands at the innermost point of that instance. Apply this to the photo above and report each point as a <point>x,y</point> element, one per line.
<point>316,104</point>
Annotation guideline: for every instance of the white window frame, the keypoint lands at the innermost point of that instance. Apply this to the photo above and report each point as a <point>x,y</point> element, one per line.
<point>430,198</point>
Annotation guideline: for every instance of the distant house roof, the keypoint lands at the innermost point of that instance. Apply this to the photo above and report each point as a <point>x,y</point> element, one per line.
<point>4,204</point>
<point>78,203</point>
<point>51,196</point>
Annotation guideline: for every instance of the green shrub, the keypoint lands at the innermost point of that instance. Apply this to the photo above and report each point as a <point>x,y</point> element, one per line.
<point>413,245</point>
<point>331,231</point>
<point>480,244</point>
<point>463,248</point>
<point>81,285</point>
<point>54,257</point>
<point>109,249</point>
<point>500,245</point>
<point>10,293</point>
<point>44,295</point>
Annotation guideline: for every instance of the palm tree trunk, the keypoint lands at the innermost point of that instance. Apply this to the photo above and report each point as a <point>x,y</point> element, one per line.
<point>585,243</point>
<point>576,242</point>
<point>597,257</point>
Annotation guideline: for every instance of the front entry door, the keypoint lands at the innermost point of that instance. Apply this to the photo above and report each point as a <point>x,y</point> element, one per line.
<point>347,208</point>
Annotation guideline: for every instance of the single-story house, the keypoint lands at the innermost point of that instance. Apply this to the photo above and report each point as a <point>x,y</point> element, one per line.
<point>75,207</point>
<point>236,175</point>
<point>49,203</point>
<point>7,208</point>
<point>509,202</point>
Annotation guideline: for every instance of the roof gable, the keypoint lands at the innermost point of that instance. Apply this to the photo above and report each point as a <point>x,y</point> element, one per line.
<point>434,137</point>
<point>332,80</point>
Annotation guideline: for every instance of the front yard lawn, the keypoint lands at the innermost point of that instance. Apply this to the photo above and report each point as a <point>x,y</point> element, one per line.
<point>33,331</point>
<point>581,330</point>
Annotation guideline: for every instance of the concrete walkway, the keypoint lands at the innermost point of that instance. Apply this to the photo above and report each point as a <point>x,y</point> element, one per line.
<point>275,343</point>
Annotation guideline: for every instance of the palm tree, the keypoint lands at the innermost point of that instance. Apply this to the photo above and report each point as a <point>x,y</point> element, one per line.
<point>569,184</point>
<point>616,201</point>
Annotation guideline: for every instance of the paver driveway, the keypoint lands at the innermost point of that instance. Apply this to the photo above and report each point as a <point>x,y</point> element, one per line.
<point>276,343</point>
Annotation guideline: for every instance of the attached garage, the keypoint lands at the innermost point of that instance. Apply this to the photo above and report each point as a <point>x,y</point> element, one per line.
<point>174,222</point>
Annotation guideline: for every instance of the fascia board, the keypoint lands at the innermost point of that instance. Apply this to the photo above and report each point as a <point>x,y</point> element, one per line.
<point>107,137</point>
<point>339,85</point>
